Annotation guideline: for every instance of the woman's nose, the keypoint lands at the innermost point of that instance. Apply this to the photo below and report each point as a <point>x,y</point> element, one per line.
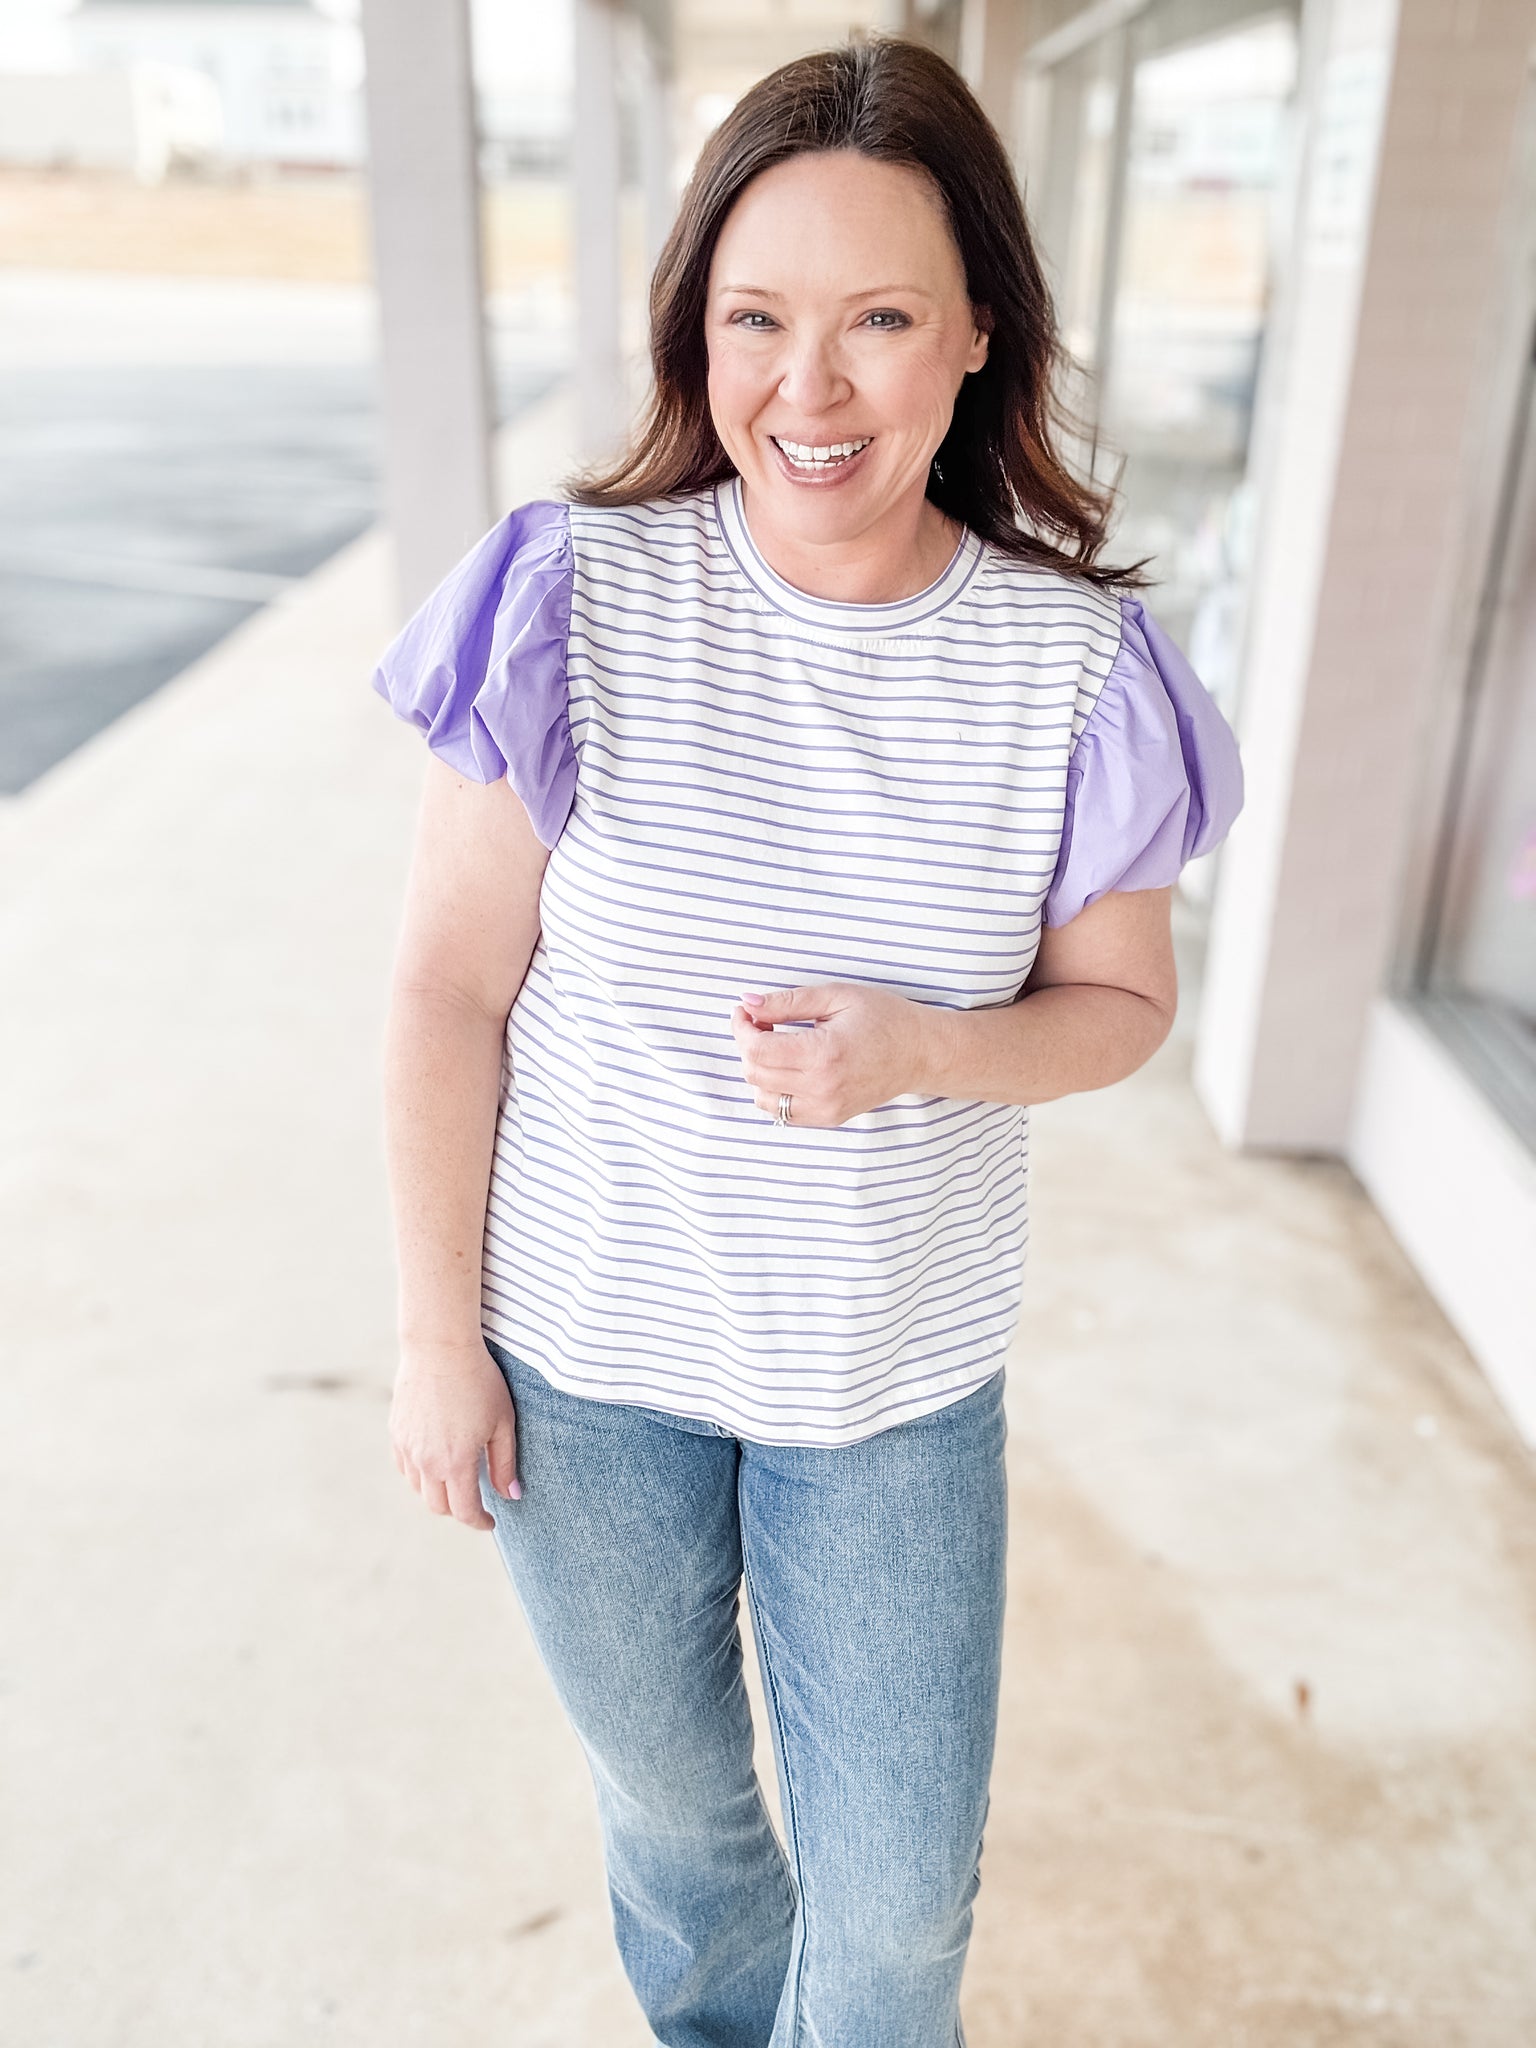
<point>813,380</point>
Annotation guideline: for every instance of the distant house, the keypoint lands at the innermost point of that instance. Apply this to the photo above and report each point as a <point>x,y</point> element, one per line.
<point>142,117</point>
<point>288,77</point>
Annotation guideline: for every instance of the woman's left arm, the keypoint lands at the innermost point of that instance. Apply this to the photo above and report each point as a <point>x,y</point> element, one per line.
<point>1155,778</point>
<point>1099,1001</point>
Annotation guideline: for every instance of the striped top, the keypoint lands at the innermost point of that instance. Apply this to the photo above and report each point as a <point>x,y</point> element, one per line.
<point>746,787</point>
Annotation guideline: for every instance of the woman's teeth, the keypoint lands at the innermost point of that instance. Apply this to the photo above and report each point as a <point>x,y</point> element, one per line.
<point>820,458</point>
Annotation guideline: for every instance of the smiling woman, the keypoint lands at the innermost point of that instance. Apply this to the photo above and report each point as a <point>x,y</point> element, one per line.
<point>821,699</point>
<point>829,403</point>
<point>866,188</point>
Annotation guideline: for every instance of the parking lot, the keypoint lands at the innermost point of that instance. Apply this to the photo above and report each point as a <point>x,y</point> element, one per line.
<point>175,452</point>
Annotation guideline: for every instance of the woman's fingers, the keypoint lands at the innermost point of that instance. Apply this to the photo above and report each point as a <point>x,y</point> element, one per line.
<point>464,1501</point>
<point>501,1459</point>
<point>799,1109</point>
<point>451,1422</point>
<point>459,1494</point>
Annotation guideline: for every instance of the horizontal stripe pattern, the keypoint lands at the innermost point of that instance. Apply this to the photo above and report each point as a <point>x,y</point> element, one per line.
<point>775,790</point>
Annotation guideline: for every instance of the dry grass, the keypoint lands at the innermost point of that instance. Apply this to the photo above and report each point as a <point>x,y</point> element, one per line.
<point>313,229</point>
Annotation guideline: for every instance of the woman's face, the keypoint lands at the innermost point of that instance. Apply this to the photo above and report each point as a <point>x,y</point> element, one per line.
<point>839,331</point>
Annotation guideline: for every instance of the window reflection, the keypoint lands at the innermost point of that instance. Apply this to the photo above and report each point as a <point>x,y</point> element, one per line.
<point>1206,155</point>
<point>1159,174</point>
<point>1479,971</point>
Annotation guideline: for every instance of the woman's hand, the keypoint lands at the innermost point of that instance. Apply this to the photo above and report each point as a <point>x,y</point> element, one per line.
<point>450,1404</point>
<point>867,1046</point>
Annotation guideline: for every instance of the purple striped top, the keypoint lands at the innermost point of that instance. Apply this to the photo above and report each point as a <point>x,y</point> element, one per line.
<point>744,786</point>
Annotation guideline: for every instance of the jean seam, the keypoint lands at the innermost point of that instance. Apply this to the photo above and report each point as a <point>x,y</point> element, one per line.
<point>791,1817</point>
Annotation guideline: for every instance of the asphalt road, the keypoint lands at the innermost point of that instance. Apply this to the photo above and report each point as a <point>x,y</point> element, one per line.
<point>146,508</point>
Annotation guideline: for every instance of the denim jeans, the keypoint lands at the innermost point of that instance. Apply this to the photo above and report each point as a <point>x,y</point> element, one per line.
<point>875,1576</point>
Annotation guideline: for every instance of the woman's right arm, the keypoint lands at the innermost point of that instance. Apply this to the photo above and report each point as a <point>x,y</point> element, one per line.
<point>471,923</point>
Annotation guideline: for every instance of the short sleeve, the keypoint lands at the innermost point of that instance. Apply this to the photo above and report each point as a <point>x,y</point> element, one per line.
<point>480,667</point>
<point>1155,777</point>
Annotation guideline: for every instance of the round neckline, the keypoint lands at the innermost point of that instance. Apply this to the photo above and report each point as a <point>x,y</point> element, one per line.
<point>833,614</point>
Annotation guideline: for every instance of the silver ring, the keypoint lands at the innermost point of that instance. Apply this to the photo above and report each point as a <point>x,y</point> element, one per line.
<point>783,1115</point>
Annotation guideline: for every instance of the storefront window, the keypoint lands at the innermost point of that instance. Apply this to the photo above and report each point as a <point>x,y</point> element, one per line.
<point>1160,188</point>
<point>1478,974</point>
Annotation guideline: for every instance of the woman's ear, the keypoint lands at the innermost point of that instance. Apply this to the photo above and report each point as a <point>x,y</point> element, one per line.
<point>982,324</point>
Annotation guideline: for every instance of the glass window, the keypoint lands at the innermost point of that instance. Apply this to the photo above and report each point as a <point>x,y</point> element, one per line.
<point>1206,150</point>
<point>1478,970</point>
<point>1161,193</point>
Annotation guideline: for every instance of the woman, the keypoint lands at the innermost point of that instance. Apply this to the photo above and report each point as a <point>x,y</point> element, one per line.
<point>820,700</point>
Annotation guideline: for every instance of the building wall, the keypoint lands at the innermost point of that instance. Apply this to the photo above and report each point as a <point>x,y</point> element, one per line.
<point>1395,353</point>
<point>1360,608</point>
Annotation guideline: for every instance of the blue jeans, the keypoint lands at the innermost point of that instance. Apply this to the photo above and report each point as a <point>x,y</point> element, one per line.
<point>875,1577</point>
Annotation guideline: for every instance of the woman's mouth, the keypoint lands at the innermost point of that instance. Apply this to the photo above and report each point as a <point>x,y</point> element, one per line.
<point>827,459</point>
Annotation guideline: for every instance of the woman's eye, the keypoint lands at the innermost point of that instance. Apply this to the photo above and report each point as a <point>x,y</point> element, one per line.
<point>887,321</point>
<point>749,320</point>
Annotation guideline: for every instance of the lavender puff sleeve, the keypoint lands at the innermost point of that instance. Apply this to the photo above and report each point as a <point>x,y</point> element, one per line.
<point>480,667</point>
<point>1155,777</point>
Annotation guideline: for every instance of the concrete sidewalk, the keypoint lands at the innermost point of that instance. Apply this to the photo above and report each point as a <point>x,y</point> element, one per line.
<point>281,1766</point>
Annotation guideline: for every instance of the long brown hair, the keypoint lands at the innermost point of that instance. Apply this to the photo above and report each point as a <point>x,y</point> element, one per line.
<point>997,469</point>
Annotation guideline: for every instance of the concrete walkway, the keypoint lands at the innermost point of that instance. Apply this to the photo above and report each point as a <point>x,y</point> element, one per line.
<point>280,1765</point>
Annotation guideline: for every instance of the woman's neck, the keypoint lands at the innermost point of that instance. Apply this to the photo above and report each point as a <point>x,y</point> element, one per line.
<point>903,552</point>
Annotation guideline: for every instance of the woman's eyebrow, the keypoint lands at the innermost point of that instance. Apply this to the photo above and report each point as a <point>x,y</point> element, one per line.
<point>868,291</point>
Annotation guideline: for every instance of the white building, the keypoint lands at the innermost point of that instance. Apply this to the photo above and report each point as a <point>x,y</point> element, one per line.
<point>141,117</point>
<point>288,75</point>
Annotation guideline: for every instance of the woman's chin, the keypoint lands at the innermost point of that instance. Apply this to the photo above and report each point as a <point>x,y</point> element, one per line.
<point>819,508</point>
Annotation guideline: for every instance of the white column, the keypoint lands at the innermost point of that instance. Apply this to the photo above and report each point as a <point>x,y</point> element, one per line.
<point>992,42</point>
<point>601,407</point>
<point>1051,153</point>
<point>1114,216</point>
<point>425,207</point>
<point>1376,388</point>
<point>653,97</point>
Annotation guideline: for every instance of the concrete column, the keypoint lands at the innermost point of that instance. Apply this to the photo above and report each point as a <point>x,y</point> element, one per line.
<point>1376,387</point>
<point>424,203</point>
<point>653,106</point>
<point>601,408</point>
<point>1114,216</point>
<point>936,23</point>
<point>1050,153</point>
<point>992,44</point>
